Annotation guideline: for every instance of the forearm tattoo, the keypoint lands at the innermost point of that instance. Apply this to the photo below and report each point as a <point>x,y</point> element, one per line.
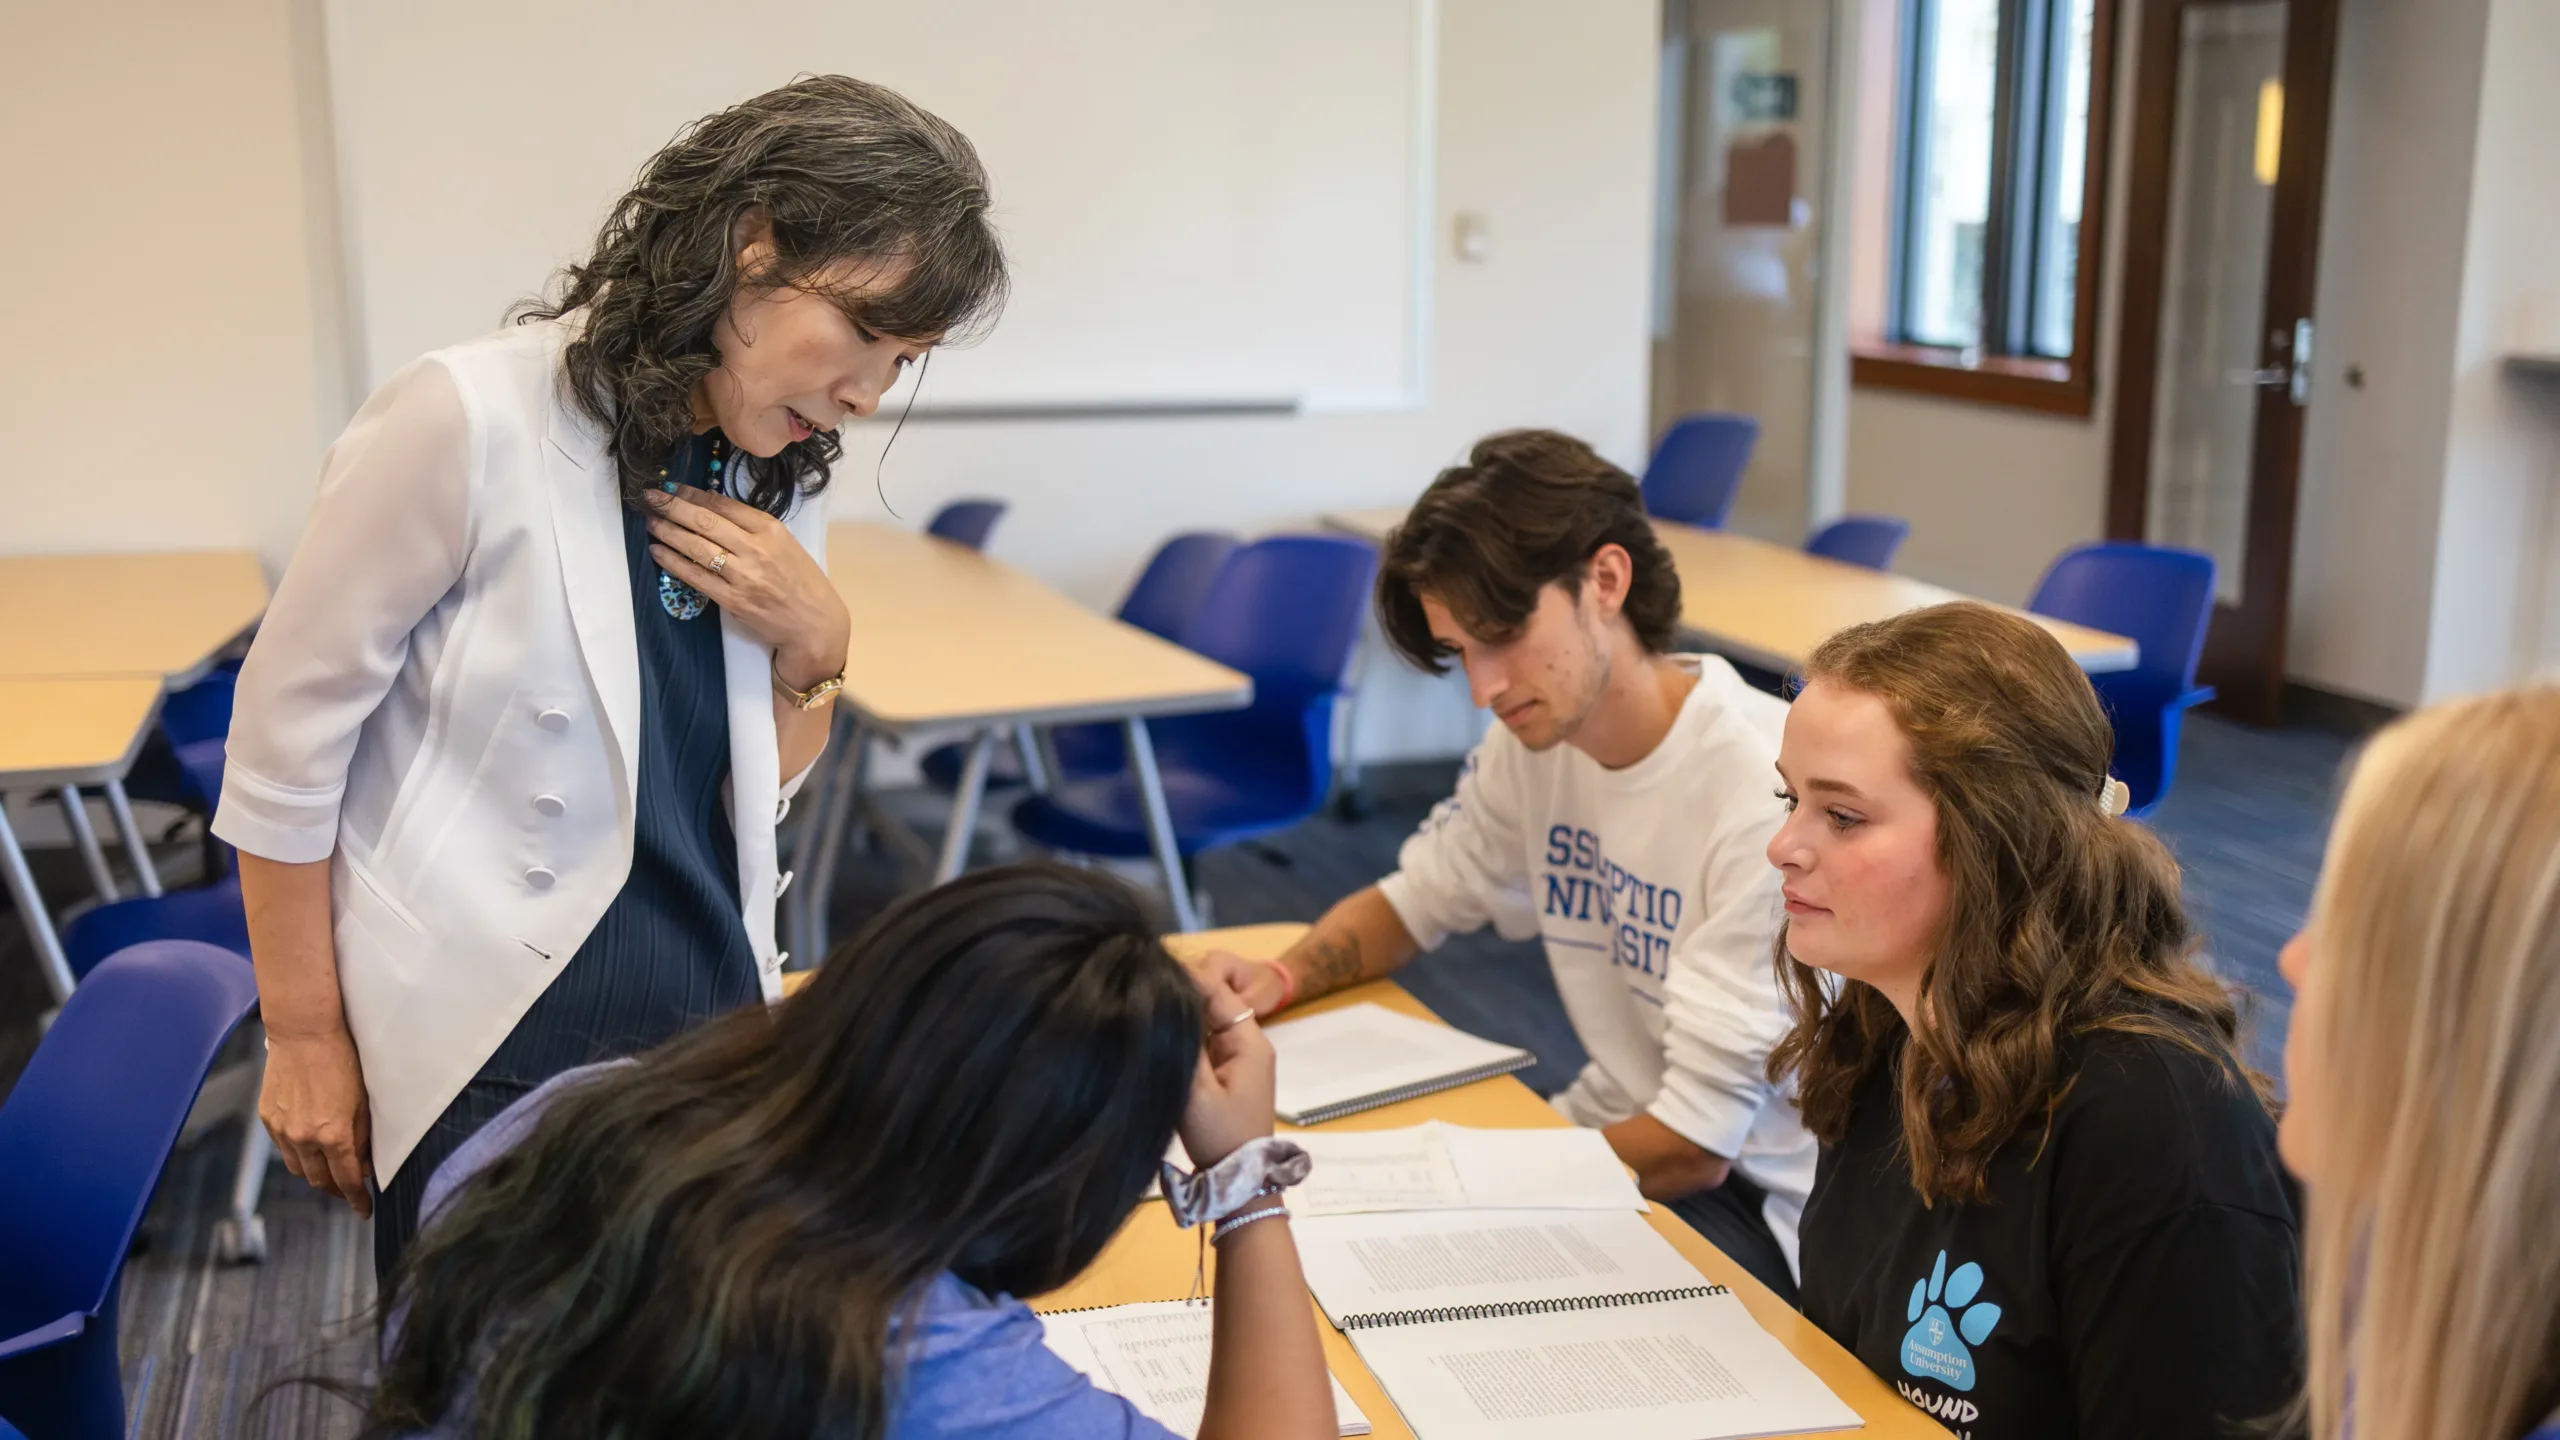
<point>1331,962</point>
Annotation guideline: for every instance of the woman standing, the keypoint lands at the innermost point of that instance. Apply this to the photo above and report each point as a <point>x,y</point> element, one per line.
<point>557,647</point>
<point>2048,1205</point>
<point>2425,1082</point>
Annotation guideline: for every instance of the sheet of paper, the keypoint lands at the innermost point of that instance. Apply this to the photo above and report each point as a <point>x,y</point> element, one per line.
<point>1435,1259</point>
<point>1698,1369</point>
<point>1438,1166</point>
<point>1365,1050</point>
<point>1364,1170</point>
<point>1157,1357</point>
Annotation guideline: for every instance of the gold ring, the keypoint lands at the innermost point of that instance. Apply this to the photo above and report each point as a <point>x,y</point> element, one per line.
<point>719,560</point>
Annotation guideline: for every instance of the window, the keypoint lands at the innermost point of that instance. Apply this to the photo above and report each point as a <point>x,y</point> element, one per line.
<point>2001,106</point>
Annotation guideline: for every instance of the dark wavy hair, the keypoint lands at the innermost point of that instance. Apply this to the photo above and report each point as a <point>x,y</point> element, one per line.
<point>722,1238</point>
<point>845,171</point>
<point>1528,509</point>
<point>2061,920</point>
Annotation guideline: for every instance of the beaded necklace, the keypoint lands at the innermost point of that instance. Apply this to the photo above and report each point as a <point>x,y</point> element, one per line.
<point>674,596</point>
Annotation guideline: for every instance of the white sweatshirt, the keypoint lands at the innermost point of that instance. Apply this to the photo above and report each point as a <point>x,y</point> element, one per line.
<point>1653,891</point>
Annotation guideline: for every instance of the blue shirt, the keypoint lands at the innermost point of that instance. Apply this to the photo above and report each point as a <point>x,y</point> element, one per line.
<point>977,1367</point>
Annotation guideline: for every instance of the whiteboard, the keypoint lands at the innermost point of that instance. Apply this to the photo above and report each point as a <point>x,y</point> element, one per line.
<point>1206,203</point>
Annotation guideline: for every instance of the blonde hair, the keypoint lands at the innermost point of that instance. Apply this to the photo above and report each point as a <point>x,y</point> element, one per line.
<point>2433,1243</point>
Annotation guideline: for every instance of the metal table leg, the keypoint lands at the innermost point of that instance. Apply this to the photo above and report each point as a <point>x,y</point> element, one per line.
<point>838,809</point>
<point>1160,837</point>
<point>135,851</point>
<point>240,1238</point>
<point>1035,758</point>
<point>75,813</point>
<point>31,911</point>
<point>964,809</point>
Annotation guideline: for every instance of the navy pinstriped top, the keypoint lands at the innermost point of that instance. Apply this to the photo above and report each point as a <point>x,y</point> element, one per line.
<point>672,949</point>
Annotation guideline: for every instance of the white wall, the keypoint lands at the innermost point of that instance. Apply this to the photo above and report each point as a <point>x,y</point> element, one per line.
<point>1547,128</point>
<point>2403,121</point>
<point>171,374</point>
<point>2502,458</point>
<point>190,329</point>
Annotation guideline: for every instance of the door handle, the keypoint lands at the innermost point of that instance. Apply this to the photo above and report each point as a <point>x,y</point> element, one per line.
<point>2274,377</point>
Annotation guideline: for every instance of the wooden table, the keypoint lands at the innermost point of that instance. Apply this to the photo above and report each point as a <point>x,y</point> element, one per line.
<point>60,735</point>
<point>945,636</point>
<point>1151,1260</point>
<point>164,615</point>
<point>1773,605</point>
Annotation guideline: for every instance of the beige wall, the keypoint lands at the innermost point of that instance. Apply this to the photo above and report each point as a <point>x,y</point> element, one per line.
<point>171,375</point>
<point>190,336</point>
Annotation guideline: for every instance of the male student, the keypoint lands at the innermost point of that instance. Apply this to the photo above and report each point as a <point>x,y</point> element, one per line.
<point>1620,811</point>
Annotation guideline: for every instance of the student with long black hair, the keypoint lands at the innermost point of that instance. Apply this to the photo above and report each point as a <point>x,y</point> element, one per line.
<point>815,1222</point>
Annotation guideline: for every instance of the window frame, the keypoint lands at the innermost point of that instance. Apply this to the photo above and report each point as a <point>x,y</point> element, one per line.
<point>2000,372</point>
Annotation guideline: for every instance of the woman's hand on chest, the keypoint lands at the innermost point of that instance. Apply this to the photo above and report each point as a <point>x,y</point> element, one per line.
<point>756,571</point>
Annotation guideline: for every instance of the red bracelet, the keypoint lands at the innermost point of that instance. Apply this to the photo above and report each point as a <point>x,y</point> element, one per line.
<point>1288,984</point>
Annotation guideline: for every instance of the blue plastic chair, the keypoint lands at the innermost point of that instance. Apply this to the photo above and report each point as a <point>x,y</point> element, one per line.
<point>212,914</point>
<point>83,1139</point>
<point>1697,469</point>
<point>2162,599</point>
<point>1162,601</point>
<point>1869,540</point>
<point>1285,611</point>
<point>966,522</point>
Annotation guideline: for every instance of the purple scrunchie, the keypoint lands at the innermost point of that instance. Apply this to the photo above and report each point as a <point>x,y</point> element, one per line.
<point>1224,1188</point>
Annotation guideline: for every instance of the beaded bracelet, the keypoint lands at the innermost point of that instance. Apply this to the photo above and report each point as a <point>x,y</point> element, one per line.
<point>1234,1223</point>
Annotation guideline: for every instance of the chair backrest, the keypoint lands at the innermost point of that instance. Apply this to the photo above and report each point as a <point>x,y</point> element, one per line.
<point>966,522</point>
<point>201,711</point>
<point>1177,578</point>
<point>212,914</point>
<point>1868,540</point>
<point>2159,597</point>
<point>1697,469</point>
<point>86,1131</point>
<point>1285,610</point>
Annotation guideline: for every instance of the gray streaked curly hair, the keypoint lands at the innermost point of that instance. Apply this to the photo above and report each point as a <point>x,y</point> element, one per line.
<point>847,171</point>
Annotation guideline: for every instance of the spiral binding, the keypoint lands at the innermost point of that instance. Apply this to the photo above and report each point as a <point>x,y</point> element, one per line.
<point>1387,1319</point>
<point>1339,1108</point>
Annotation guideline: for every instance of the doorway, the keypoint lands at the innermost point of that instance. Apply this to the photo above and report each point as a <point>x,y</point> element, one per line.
<point>2231,137</point>
<point>1738,297</point>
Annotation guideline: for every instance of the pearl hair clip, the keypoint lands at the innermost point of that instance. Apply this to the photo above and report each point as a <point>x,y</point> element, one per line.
<point>2114,797</point>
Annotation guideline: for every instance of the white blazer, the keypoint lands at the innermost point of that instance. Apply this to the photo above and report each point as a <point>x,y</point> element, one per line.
<point>444,701</point>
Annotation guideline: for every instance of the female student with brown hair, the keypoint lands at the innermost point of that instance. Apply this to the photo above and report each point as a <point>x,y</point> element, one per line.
<point>2431,1157</point>
<point>2048,1203</point>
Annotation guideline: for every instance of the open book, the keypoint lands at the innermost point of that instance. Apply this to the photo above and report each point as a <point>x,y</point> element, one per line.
<point>1507,1325</point>
<point>1156,1356</point>
<point>1363,1056</point>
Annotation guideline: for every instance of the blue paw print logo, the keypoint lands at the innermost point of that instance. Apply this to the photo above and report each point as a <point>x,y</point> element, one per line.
<point>1946,1324</point>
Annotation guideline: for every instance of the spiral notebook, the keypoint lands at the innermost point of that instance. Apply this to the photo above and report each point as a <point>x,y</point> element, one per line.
<point>1156,1356</point>
<point>1485,1325</point>
<point>1363,1056</point>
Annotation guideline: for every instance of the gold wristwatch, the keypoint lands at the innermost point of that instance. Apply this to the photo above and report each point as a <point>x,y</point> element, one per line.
<point>813,697</point>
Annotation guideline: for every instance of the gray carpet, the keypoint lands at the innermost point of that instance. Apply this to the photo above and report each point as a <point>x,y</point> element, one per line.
<point>202,1343</point>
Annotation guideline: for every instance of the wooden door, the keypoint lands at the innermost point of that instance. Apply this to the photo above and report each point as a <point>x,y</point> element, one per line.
<point>2231,137</point>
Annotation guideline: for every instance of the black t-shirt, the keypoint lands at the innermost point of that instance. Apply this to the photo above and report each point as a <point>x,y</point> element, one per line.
<point>2139,1278</point>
